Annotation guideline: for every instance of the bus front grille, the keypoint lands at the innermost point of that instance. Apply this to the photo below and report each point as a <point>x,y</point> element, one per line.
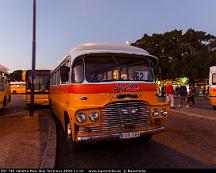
<point>120,117</point>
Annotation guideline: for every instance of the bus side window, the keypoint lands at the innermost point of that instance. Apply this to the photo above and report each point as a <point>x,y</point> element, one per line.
<point>214,78</point>
<point>77,75</point>
<point>65,72</point>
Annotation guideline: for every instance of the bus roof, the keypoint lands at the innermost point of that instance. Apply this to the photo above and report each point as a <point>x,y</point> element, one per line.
<point>17,82</point>
<point>95,47</point>
<point>4,69</point>
<point>39,69</point>
<point>213,68</point>
<point>105,47</point>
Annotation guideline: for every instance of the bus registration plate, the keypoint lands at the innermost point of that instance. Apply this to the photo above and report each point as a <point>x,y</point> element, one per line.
<point>130,135</point>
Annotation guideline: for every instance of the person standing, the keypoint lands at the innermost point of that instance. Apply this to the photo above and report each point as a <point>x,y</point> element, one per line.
<point>163,90</point>
<point>190,96</point>
<point>183,96</point>
<point>177,90</point>
<point>169,94</point>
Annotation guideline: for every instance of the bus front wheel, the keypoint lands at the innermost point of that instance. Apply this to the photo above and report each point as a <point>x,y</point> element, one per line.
<point>51,108</point>
<point>73,146</point>
<point>5,101</point>
<point>9,98</point>
<point>68,132</point>
<point>214,108</point>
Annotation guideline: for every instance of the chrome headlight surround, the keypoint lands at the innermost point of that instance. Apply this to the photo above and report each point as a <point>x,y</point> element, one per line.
<point>94,116</point>
<point>81,117</point>
<point>164,112</point>
<point>155,112</point>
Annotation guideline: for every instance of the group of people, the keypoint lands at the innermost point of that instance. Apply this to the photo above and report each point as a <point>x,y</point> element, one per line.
<point>186,98</point>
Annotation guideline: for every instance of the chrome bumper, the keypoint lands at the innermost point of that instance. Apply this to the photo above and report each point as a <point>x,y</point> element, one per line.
<point>85,139</point>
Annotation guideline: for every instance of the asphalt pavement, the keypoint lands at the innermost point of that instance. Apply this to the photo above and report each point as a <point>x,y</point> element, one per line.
<point>26,140</point>
<point>201,109</point>
<point>30,141</point>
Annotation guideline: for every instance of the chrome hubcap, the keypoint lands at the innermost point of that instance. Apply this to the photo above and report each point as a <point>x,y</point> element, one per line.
<point>68,129</point>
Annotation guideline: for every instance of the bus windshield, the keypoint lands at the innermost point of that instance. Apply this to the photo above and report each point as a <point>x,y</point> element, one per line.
<point>106,68</point>
<point>42,78</point>
<point>41,82</point>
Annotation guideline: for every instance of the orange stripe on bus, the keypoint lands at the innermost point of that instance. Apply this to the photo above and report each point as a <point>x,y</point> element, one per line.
<point>103,88</point>
<point>214,90</point>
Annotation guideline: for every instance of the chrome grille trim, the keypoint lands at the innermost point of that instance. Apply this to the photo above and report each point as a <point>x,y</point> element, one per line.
<point>113,120</point>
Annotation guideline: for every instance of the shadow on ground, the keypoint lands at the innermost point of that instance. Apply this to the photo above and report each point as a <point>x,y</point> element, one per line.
<point>122,154</point>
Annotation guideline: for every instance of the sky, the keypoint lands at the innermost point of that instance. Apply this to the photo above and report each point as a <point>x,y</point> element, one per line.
<point>63,24</point>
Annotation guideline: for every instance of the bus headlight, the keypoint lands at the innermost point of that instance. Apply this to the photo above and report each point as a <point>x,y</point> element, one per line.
<point>155,113</point>
<point>94,116</point>
<point>81,118</point>
<point>164,112</point>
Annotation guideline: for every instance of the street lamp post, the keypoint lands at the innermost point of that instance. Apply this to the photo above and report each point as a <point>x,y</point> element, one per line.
<point>33,55</point>
<point>159,71</point>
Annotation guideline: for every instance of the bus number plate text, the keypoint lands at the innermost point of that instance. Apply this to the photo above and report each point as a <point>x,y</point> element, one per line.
<point>130,135</point>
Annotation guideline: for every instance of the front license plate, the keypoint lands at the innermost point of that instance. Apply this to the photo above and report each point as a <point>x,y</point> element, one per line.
<point>130,135</point>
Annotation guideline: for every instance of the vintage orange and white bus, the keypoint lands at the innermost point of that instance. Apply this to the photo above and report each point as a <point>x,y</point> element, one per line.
<point>5,96</point>
<point>42,82</point>
<point>18,87</point>
<point>103,91</point>
<point>212,86</point>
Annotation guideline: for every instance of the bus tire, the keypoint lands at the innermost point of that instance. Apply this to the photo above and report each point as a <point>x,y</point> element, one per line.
<point>214,108</point>
<point>5,101</point>
<point>10,98</point>
<point>73,146</point>
<point>51,108</point>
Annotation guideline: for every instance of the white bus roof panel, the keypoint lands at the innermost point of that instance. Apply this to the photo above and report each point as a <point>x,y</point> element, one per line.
<point>4,69</point>
<point>104,47</point>
<point>213,68</point>
<point>95,47</point>
<point>17,82</point>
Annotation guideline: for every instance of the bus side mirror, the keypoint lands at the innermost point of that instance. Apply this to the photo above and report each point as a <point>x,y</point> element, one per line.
<point>64,73</point>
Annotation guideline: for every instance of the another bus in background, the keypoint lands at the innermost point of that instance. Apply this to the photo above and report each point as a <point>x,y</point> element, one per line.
<point>5,95</point>
<point>104,91</point>
<point>212,86</point>
<point>42,82</point>
<point>18,87</point>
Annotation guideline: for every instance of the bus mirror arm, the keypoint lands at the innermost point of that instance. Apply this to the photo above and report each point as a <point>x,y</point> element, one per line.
<point>64,73</point>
